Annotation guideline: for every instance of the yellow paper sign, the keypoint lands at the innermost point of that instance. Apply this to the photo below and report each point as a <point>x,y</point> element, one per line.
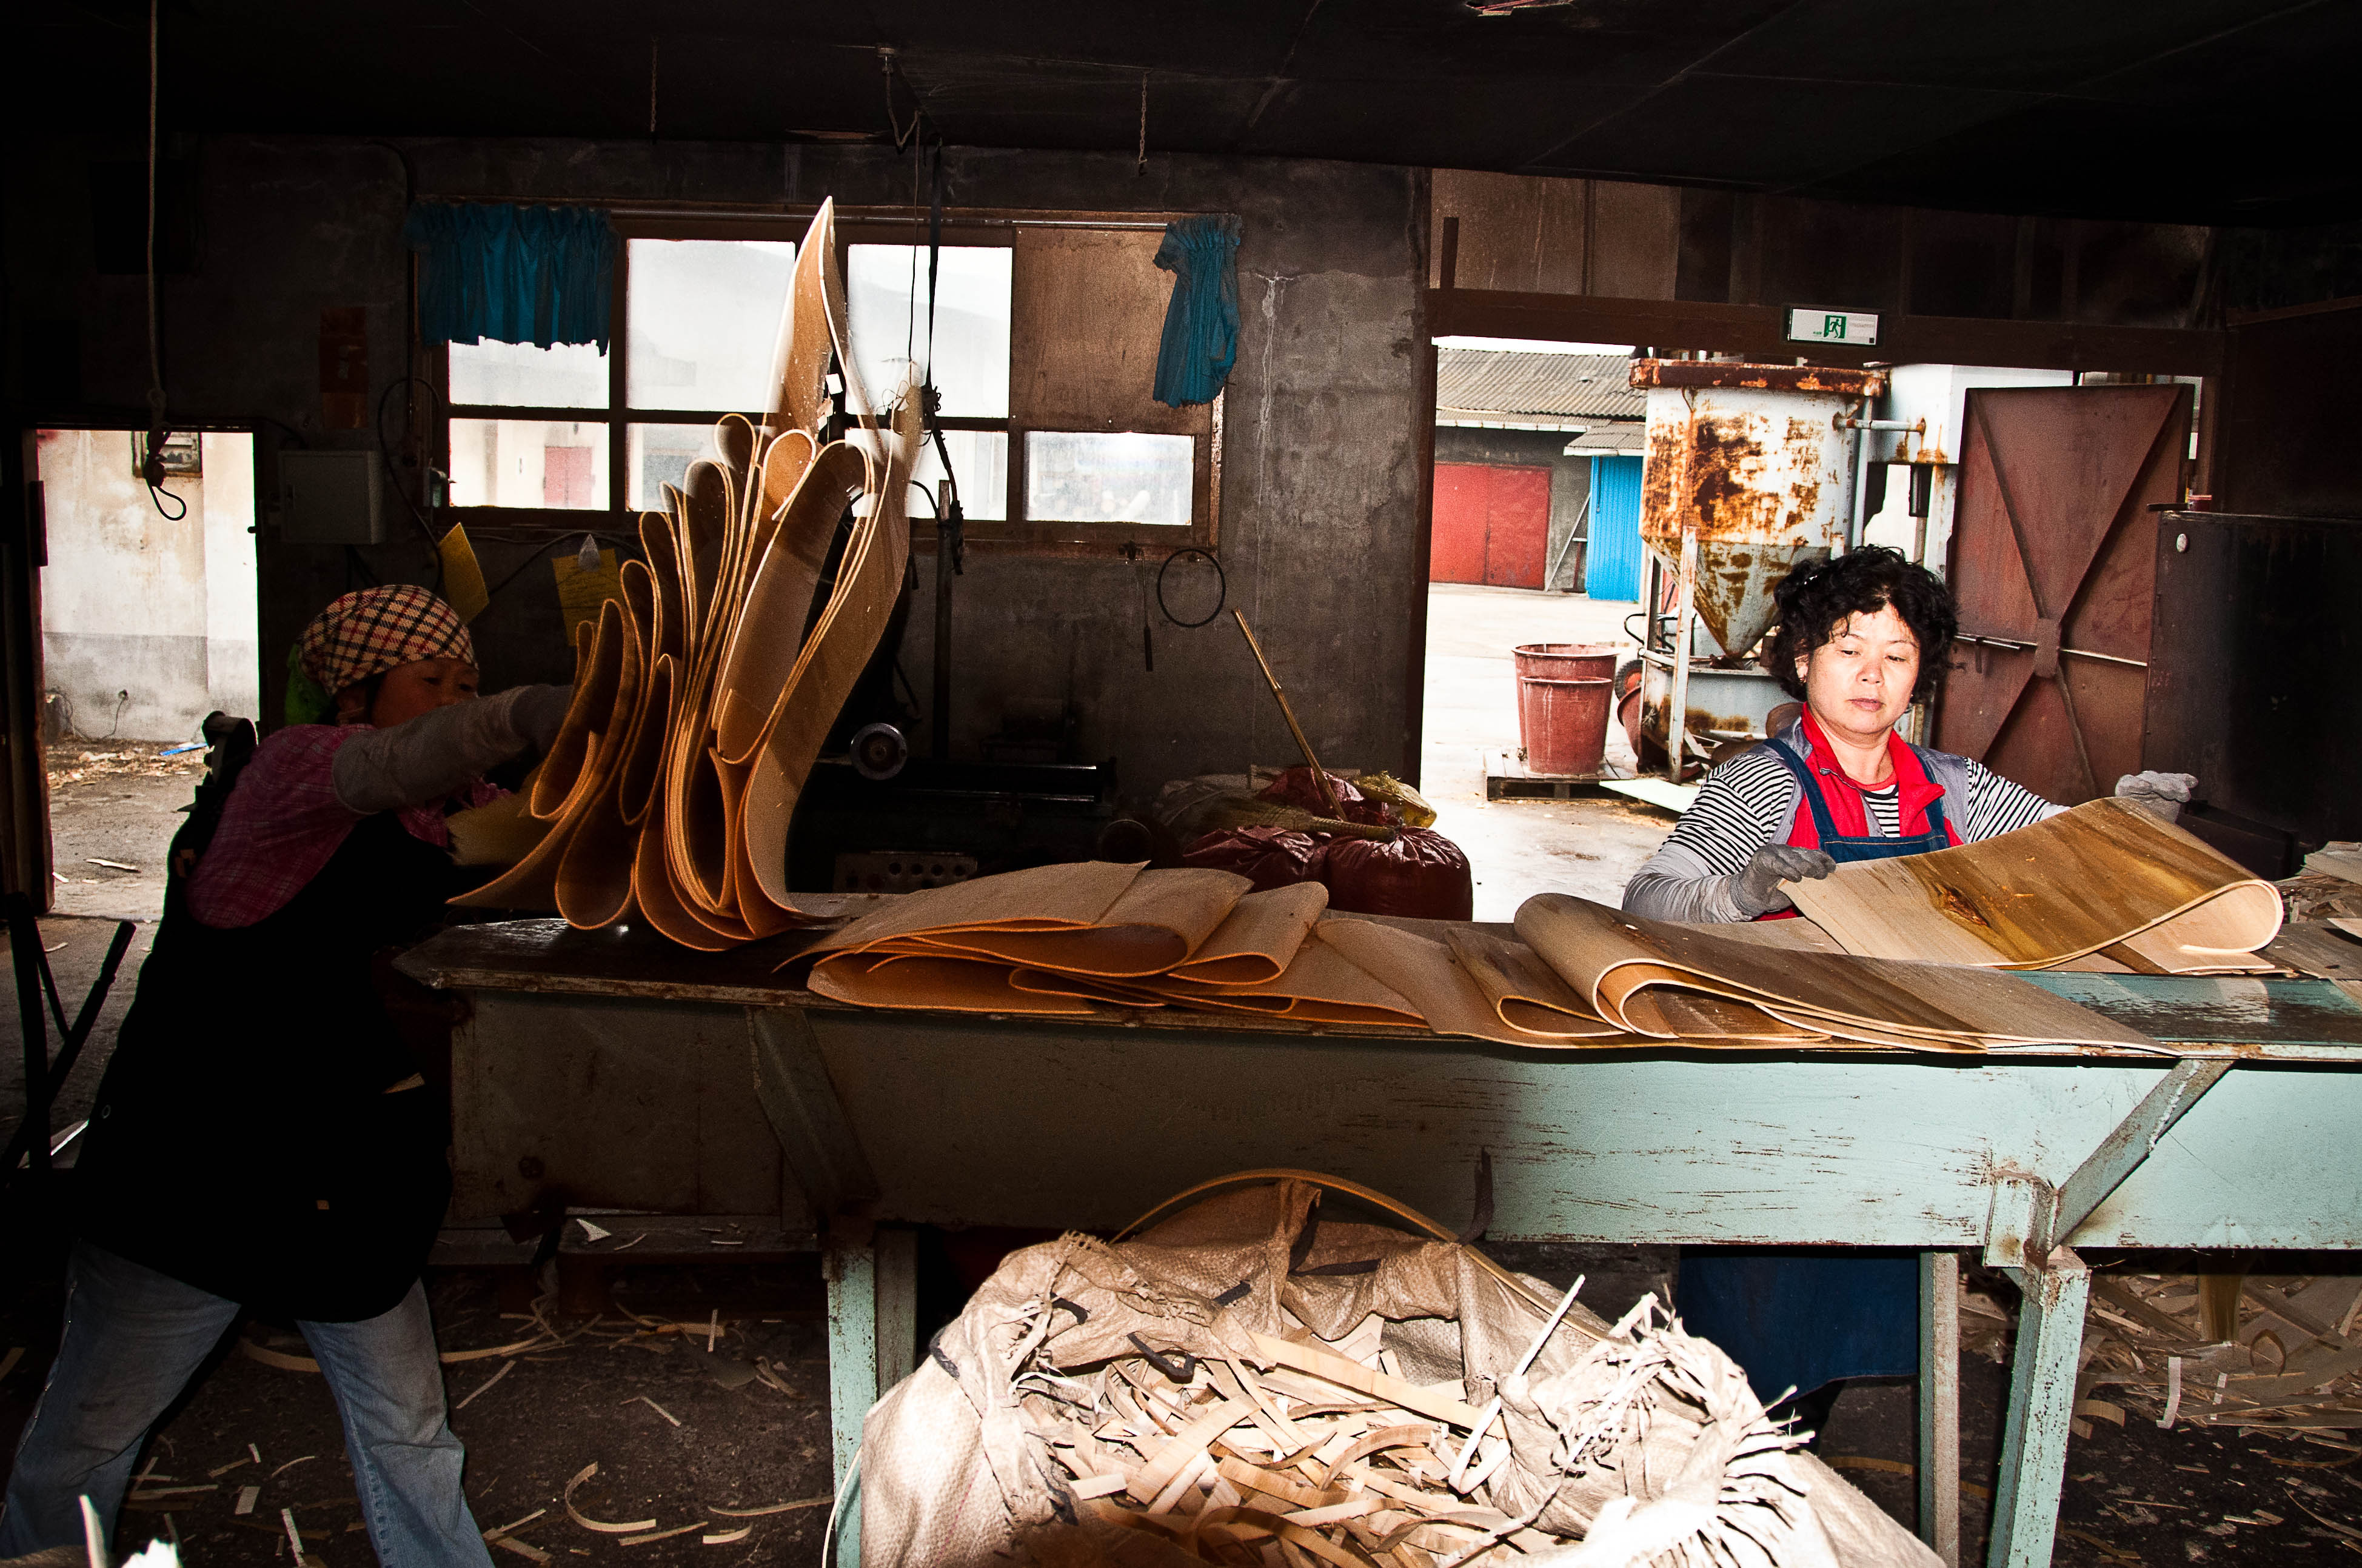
<point>463,576</point>
<point>580,593</point>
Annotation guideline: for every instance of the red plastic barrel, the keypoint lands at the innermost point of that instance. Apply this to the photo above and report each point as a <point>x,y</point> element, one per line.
<point>1565,691</point>
<point>1567,661</point>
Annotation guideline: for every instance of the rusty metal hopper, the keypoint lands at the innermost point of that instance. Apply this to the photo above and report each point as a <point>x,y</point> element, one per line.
<point>1752,459</point>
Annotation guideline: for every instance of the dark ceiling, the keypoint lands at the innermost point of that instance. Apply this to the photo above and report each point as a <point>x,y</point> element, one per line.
<point>2200,111</point>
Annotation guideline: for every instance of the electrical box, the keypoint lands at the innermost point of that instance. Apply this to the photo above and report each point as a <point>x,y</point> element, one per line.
<point>331,498</point>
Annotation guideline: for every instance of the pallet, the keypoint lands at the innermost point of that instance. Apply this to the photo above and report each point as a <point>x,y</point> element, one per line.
<point>1506,777</point>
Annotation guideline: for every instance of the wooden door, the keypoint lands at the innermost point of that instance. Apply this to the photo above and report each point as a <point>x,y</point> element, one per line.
<point>2053,567</point>
<point>1492,525</point>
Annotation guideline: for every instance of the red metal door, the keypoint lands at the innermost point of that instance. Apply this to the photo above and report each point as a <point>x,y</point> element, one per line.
<point>1516,528</point>
<point>2053,563</point>
<point>1457,553</point>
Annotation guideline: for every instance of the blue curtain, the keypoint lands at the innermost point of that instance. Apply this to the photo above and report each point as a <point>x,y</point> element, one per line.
<point>1201,322</point>
<point>1612,566</point>
<point>537,275</point>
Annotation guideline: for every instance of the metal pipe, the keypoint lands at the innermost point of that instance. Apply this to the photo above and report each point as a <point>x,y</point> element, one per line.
<point>2016,646</point>
<point>940,727</point>
<point>1916,427</point>
<point>1677,711</point>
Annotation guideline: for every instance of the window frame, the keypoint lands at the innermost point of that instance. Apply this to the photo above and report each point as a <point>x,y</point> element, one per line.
<point>863,226</point>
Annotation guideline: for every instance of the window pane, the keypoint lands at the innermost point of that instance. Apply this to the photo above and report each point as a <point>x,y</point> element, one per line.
<point>571,375</point>
<point>660,456</point>
<point>704,316</point>
<point>971,341</point>
<point>980,459</point>
<point>528,462</point>
<point>1078,476</point>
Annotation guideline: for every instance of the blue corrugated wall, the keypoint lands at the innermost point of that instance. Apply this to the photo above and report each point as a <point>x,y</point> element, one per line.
<point>1612,569</point>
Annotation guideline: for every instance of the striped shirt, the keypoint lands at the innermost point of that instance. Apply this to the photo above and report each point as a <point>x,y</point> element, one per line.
<point>1752,800</point>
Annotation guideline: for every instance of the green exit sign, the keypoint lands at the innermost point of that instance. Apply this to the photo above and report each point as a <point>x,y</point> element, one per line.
<point>1857,329</point>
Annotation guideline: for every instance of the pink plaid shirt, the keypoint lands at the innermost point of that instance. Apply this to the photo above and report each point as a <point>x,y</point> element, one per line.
<point>284,822</point>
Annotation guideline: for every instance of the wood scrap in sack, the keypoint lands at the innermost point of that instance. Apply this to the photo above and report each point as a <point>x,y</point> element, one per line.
<point>1246,1384</point>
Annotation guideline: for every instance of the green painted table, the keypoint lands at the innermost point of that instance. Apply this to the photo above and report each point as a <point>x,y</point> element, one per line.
<point>612,1071</point>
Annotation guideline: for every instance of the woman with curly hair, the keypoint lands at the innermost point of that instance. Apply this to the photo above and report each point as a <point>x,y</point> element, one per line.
<point>1860,638</point>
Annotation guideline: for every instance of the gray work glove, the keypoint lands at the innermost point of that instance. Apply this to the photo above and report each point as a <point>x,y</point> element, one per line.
<point>1757,891</point>
<point>2162,794</point>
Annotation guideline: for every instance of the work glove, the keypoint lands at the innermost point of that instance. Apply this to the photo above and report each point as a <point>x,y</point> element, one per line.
<point>538,712</point>
<point>2162,794</point>
<point>1757,891</point>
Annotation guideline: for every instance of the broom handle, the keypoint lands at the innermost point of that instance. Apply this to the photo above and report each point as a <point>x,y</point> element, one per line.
<point>1319,777</point>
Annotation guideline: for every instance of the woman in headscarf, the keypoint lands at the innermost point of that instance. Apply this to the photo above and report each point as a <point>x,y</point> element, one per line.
<point>263,1140</point>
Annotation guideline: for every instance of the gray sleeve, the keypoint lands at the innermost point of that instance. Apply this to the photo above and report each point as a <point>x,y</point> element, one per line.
<point>1740,808</point>
<point>434,754</point>
<point>1677,885</point>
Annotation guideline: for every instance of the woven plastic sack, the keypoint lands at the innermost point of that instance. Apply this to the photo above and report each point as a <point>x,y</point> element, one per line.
<point>1419,875</point>
<point>1296,786</point>
<point>1626,1444</point>
<point>1269,857</point>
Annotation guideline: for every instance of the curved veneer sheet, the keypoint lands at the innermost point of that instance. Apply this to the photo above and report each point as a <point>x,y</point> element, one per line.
<point>703,692</point>
<point>2106,881</point>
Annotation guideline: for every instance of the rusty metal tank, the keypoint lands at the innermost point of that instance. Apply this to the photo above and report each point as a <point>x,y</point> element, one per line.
<point>1757,460</point>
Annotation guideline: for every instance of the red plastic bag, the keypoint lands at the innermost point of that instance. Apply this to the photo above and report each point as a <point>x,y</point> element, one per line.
<point>1422,875</point>
<point>1269,857</point>
<point>1294,788</point>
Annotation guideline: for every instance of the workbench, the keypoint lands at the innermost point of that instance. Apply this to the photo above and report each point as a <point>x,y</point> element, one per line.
<point>611,1069</point>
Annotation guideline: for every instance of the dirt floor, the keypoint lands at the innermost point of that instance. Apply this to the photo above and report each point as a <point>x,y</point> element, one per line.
<point>1519,848</point>
<point>611,1391</point>
<point>116,805</point>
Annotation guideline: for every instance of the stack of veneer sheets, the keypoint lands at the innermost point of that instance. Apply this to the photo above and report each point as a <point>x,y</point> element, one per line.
<point>703,696</point>
<point>1094,938</point>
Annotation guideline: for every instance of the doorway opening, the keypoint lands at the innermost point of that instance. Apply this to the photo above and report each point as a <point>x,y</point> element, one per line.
<point>1536,538</point>
<point>148,613</point>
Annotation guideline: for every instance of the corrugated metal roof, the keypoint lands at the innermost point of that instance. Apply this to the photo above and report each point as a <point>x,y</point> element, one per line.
<point>1478,383</point>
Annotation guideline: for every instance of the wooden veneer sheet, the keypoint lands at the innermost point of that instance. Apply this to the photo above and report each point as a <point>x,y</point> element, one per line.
<point>2107,877</point>
<point>1631,970</point>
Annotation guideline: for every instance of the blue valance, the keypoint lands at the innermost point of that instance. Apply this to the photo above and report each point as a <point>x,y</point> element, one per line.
<point>537,275</point>
<point>1201,322</point>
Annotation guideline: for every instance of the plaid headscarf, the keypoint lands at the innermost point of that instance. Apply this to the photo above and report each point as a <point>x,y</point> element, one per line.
<point>368,633</point>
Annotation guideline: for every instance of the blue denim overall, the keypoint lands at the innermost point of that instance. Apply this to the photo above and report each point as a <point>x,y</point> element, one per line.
<point>1800,1317</point>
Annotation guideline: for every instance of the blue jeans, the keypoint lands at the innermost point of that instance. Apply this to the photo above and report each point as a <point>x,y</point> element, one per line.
<point>133,1337</point>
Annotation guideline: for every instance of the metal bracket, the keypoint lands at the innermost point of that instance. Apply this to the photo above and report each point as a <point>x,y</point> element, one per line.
<point>2029,1218</point>
<point>816,1137</point>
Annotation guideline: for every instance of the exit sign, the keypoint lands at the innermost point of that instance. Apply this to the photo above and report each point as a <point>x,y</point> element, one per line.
<point>1856,328</point>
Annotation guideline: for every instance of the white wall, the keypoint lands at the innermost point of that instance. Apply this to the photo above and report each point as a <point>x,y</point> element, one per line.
<point>147,623</point>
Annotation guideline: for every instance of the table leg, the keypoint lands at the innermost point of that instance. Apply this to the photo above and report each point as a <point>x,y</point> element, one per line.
<point>1939,1404</point>
<point>898,1305</point>
<point>2041,1406</point>
<point>852,1275</point>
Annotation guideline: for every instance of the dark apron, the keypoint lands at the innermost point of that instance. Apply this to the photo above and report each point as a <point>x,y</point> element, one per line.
<point>243,1141</point>
<point>1797,1318</point>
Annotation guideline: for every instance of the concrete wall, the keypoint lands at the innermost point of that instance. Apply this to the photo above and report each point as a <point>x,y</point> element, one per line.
<point>1321,484</point>
<point>147,623</point>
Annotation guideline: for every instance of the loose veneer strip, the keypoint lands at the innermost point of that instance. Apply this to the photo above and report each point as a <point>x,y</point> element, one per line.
<point>595,871</point>
<point>1609,955</point>
<point>1039,899</point>
<point>946,984</point>
<point>1155,923</point>
<point>870,584</point>
<point>1184,1449</point>
<point>1258,939</point>
<point>597,670</point>
<point>1334,1368</point>
<point>1526,993</point>
<point>1323,983</point>
<point>2070,885</point>
<point>1439,989</point>
<point>764,649</point>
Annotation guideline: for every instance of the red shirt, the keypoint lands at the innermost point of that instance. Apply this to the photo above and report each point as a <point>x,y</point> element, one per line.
<point>1916,792</point>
